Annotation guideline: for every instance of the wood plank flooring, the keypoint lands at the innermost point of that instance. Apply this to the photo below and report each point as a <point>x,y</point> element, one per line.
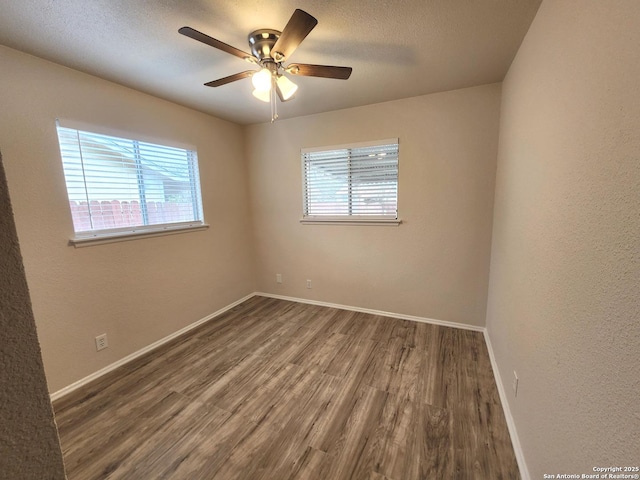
<point>277,390</point>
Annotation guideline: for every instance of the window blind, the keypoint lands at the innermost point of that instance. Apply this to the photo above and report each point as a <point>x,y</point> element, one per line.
<point>359,181</point>
<point>119,184</point>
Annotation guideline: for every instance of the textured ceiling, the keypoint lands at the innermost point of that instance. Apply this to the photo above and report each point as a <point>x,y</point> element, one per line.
<point>397,49</point>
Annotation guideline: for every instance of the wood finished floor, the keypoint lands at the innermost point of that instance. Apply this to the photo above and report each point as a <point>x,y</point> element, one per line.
<point>279,390</point>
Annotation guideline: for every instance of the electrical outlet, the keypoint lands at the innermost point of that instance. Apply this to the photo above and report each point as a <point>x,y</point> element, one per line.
<point>514,384</point>
<point>308,283</point>
<point>278,278</point>
<point>101,342</point>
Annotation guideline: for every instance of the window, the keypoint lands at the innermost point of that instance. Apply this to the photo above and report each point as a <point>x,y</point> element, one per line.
<point>119,187</point>
<point>351,183</point>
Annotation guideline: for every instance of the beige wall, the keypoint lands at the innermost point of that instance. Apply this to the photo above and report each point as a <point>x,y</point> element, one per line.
<point>564,299</point>
<point>29,446</point>
<point>436,263</point>
<point>137,291</point>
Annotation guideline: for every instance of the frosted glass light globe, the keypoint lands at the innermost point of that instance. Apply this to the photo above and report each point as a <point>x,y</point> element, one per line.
<point>262,95</point>
<point>287,87</point>
<point>262,80</point>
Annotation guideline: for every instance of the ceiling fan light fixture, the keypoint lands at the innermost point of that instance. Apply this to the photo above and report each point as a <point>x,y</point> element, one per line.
<point>262,95</point>
<point>262,80</point>
<point>269,48</point>
<point>287,87</point>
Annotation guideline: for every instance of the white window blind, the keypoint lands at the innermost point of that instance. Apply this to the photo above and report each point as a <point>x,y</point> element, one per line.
<point>123,185</point>
<point>351,182</point>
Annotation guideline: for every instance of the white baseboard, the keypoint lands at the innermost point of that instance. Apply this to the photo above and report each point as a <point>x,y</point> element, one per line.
<point>515,441</point>
<point>401,316</point>
<point>103,371</point>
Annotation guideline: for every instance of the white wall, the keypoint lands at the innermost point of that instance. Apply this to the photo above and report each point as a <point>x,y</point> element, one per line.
<point>137,291</point>
<point>564,298</point>
<point>435,264</point>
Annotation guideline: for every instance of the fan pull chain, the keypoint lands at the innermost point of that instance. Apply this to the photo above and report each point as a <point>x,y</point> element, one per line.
<point>274,101</point>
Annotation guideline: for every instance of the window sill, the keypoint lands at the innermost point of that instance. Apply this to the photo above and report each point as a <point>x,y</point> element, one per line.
<point>352,221</point>
<point>91,239</point>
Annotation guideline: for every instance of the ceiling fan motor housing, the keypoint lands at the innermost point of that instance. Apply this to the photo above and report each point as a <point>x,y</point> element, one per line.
<point>262,42</point>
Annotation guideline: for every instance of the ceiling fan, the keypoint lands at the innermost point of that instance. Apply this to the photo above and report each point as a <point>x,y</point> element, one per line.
<point>269,49</point>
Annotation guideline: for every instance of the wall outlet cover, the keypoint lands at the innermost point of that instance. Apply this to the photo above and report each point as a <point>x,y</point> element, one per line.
<point>101,342</point>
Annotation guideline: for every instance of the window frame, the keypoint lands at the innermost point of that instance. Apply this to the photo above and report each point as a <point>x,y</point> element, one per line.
<point>90,237</point>
<point>348,219</point>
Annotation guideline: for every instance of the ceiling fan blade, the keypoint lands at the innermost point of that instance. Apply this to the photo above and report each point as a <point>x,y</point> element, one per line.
<point>230,78</point>
<point>201,37</point>
<point>298,27</point>
<point>326,71</point>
